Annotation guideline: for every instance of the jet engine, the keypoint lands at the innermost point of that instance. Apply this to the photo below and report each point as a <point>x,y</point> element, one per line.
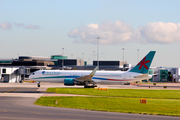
<point>69,82</point>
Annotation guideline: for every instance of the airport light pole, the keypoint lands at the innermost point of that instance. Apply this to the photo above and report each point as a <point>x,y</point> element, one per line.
<point>123,58</point>
<point>62,58</point>
<point>93,56</point>
<point>88,61</point>
<point>137,55</point>
<point>82,57</point>
<point>98,51</point>
<point>71,56</point>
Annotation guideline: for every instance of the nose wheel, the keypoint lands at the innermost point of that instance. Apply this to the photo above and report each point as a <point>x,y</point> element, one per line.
<point>38,84</point>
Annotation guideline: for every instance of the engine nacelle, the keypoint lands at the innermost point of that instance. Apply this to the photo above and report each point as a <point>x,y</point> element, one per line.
<point>69,82</point>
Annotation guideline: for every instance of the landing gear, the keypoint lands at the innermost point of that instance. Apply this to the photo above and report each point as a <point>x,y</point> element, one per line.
<point>87,86</point>
<point>127,83</point>
<point>38,84</point>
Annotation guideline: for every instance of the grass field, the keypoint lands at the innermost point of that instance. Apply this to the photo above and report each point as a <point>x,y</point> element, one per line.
<point>159,102</point>
<point>139,93</point>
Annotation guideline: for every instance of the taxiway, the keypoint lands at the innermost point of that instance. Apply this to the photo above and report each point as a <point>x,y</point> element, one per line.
<point>16,102</point>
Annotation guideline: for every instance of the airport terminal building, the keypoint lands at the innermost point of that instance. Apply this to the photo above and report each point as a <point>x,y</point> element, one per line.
<point>19,69</point>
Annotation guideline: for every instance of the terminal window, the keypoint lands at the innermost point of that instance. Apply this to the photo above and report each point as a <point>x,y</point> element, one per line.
<point>3,70</point>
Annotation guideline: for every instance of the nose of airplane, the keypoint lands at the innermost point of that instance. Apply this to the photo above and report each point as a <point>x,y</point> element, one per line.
<point>30,76</point>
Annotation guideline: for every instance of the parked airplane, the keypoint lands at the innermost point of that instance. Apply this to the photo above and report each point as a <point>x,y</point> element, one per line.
<point>89,79</point>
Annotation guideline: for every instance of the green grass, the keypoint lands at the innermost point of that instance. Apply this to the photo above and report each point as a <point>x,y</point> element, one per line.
<point>115,104</point>
<point>134,93</point>
<point>159,102</point>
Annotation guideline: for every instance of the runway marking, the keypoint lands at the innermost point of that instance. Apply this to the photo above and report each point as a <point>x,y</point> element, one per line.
<point>12,90</point>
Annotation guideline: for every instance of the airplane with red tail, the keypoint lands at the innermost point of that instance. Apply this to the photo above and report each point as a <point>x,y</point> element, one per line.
<point>91,78</point>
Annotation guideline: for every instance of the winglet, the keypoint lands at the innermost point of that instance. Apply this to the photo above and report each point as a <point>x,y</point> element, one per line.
<point>94,71</point>
<point>87,77</point>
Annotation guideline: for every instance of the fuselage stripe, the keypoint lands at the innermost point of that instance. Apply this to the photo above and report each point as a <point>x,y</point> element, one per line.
<point>73,77</point>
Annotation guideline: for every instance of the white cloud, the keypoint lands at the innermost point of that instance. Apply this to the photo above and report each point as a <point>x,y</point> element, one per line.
<point>120,32</point>
<point>95,26</point>
<point>109,32</point>
<point>31,27</point>
<point>160,32</point>
<point>5,25</point>
<point>19,24</point>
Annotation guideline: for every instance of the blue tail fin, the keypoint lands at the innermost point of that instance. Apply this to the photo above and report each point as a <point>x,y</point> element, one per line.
<point>144,64</point>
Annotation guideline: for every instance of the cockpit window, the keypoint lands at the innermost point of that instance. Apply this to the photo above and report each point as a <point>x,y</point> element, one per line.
<point>33,73</point>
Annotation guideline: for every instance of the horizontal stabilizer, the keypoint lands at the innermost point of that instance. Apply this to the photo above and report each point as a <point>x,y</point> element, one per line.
<point>143,76</point>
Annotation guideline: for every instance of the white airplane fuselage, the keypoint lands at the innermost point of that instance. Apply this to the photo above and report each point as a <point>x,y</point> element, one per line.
<point>99,77</point>
<point>85,77</point>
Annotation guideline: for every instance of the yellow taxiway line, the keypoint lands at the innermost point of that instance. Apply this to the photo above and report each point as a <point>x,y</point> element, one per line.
<point>12,90</point>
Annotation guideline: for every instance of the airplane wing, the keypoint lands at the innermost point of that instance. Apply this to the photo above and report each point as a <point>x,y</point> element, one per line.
<point>87,78</point>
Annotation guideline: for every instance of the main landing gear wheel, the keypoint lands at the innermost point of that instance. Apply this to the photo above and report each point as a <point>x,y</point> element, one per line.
<point>38,84</point>
<point>93,86</point>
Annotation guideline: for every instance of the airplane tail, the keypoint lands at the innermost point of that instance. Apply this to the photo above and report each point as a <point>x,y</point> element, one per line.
<point>144,64</point>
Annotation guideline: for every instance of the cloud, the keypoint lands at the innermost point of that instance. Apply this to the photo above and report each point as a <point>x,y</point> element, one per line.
<point>160,32</point>
<point>109,32</point>
<point>31,27</point>
<point>95,26</point>
<point>120,32</point>
<point>19,24</point>
<point>5,25</point>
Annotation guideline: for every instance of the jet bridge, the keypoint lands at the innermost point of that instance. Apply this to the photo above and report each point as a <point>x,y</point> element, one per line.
<point>9,74</point>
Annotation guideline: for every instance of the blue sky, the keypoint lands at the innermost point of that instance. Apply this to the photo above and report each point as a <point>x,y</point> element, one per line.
<point>44,27</point>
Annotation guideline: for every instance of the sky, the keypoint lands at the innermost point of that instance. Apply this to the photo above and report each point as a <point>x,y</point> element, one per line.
<point>70,27</point>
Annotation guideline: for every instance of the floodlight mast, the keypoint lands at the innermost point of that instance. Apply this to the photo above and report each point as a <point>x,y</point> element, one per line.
<point>62,58</point>
<point>98,51</point>
<point>137,55</point>
<point>123,58</point>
